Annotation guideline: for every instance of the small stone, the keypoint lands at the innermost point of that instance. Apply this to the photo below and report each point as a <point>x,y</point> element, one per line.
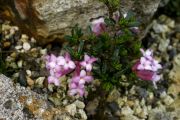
<point>178,35</point>
<point>164,43</point>
<point>33,40</point>
<point>26,46</point>
<point>126,111</point>
<point>130,103</point>
<point>163,95</point>
<point>71,109</point>
<point>30,82</point>
<point>174,89</point>
<point>43,51</point>
<point>170,23</point>
<point>113,107</point>
<point>83,114</point>
<point>92,107</point>
<point>151,96</point>
<point>168,100</point>
<point>20,63</point>
<point>143,114</point>
<point>24,37</point>
<point>28,72</point>
<point>6,44</point>
<point>13,55</point>
<point>39,81</point>
<point>142,103</point>
<point>129,117</point>
<point>22,78</point>
<point>137,110</point>
<point>120,102</point>
<point>50,87</point>
<point>160,28</point>
<point>15,75</point>
<point>79,104</point>
<point>114,95</point>
<point>18,47</point>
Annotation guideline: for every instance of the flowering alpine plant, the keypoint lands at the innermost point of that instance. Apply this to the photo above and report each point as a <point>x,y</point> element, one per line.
<point>78,81</point>
<point>58,66</point>
<point>63,65</point>
<point>87,63</point>
<point>98,26</point>
<point>80,78</point>
<point>147,67</point>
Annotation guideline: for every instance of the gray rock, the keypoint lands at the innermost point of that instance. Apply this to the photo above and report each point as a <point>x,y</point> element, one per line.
<point>10,105</point>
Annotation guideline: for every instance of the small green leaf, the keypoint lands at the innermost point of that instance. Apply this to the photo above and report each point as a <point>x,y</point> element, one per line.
<point>80,48</point>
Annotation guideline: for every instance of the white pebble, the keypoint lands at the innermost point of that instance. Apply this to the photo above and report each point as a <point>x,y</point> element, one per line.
<point>28,73</point>
<point>18,47</point>
<point>33,40</point>
<point>26,46</point>
<point>43,51</point>
<point>20,63</point>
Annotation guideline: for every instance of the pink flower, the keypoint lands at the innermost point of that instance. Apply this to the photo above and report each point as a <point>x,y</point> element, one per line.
<point>68,63</point>
<point>51,61</point>
<point>147,54</point>
<point>146,68</point>
<point>53,79</point>
<point>98,26</point>
<point>76,88</point>
<point>58,66</point>
<point>87,63</point>
<point>144,64</point>
<point>82,78</point>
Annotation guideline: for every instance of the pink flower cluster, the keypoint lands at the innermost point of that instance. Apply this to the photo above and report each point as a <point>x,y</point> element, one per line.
<point>146,67</point>
<point>62,65</point>
<point>58,66</point>
<point>82,75</point>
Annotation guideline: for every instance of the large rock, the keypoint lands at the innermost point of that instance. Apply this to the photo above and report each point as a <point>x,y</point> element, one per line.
<point>20,103</point>
<point>51,19</point>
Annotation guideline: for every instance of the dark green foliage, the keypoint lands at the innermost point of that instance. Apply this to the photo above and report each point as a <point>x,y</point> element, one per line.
<point>172,9</point>
<point>115,49</point>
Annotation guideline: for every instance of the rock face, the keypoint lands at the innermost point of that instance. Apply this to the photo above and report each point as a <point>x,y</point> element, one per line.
<point>51,19</point>
<point>20,103</point>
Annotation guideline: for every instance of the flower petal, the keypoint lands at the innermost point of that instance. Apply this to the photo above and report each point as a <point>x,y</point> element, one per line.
<point>92,60</point>
<point>82,73</point>
<point>83,63</point>
<point>61,60</point>
<point>76,79</point>
<point>86,58</point>
<point>67,56</point>
<point>50,79</point>
<point>72,92</point>
<point>88,78</point>
<point>145,74</point>
<point>71,64</point>
<point>81,92</point>
<point>82,81</point>
<point>73,85</point>
<point>57,82</point>
<point>89,67</point>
